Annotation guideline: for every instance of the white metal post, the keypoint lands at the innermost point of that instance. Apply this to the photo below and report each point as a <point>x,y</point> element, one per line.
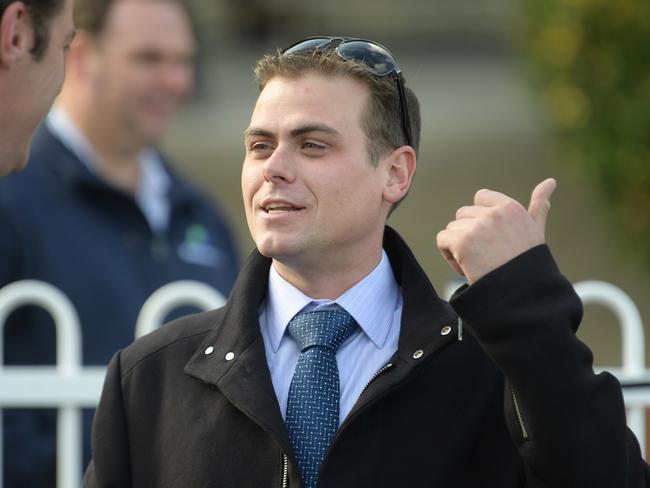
<point>31,292</point>
<point>632,341</point>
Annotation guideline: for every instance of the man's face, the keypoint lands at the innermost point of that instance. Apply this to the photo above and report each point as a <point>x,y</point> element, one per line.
<point>310,191</point>
<point>143,67</point>
<point>41,80</point>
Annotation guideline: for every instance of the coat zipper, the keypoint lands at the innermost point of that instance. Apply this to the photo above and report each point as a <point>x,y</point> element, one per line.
<point>285,460</point>
<point>285,471</point>
<point>380,371</point>
<point>520,418</point>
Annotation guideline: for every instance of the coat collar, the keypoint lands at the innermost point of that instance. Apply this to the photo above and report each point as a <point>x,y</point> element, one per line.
<point>425,315</point>
<point>237,363</point>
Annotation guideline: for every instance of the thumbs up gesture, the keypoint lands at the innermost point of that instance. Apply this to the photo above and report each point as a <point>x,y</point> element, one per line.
<point>494,230</point>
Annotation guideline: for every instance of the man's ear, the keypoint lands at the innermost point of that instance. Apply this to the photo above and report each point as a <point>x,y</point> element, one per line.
<point>400,168</point>
<point>16,33</point>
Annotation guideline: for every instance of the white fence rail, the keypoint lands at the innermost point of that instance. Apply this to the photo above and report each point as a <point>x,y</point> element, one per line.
<point>69,386</point>
<point>632,348</point>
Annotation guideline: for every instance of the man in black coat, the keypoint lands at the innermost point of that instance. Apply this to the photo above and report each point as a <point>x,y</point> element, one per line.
<point>492,390</point>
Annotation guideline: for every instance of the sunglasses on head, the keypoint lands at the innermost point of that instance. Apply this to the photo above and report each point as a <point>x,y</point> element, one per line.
<point>379,61</point>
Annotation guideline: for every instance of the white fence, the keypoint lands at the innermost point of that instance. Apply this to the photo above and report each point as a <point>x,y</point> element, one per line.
<point>69,386</point>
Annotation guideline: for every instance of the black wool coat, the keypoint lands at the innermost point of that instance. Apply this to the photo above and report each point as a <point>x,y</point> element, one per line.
<point>514,404</point>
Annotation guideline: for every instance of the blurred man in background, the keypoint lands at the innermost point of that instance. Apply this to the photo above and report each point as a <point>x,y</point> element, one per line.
<point>34,35</point>
<point>99,213</point>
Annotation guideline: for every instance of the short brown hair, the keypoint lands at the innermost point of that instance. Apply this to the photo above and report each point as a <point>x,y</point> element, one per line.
<point>382,121</point>
<point>41,12</point>
<point>91,15</point>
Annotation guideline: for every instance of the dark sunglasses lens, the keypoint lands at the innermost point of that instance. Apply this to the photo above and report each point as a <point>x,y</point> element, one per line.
<point>376,57</point>
<point>306,45</point>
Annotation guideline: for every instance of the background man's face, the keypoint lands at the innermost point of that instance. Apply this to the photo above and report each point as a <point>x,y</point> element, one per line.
<point>310,191</point>
<point>143,68</point>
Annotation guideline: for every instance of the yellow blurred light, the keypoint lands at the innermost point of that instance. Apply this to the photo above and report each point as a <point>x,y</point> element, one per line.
<point>567,104</point>
<point>560,43</point>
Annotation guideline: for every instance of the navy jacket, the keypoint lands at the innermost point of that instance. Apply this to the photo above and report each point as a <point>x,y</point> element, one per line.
<point>515,404</point>
<point>61,224</point>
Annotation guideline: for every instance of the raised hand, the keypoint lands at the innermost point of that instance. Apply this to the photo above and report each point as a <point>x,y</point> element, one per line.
<point>494,230</point>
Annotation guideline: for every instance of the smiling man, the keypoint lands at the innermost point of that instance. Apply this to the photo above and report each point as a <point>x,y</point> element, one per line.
<point>335,364</point>
<point>100,212</point>
<point>34,36</point>
<point>325,217</point>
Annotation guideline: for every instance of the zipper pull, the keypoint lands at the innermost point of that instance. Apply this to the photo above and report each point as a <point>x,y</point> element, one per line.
<point>460,329</point>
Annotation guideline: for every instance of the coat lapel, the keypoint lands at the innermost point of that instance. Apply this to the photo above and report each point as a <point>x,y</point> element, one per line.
<point>236,364</point>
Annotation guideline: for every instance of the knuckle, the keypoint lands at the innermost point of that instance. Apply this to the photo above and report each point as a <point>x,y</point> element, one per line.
<point>512,206</point>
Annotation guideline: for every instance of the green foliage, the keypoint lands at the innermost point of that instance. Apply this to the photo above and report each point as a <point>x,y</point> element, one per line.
<point>592,61</point>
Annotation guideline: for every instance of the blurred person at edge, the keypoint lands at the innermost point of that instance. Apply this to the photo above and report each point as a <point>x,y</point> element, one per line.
<point>34,36</point>
<point>98,212</point>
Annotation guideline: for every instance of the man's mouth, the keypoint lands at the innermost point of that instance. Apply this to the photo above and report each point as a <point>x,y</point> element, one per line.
<point>280,207</point>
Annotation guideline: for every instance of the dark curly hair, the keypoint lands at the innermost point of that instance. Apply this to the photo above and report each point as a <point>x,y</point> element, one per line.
<point>42,12</point>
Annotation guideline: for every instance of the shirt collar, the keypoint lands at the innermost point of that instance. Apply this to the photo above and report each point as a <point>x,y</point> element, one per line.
<point>62,126</point>
<point>371,302</point>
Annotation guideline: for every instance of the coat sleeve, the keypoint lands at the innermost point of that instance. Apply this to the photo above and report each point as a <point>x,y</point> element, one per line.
<point>110,466</point>
<point>567,422</point>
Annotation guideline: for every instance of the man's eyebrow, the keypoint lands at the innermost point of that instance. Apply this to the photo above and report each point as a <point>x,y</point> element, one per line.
<point>314,128</point>
<point>305,129</point>
<point>254,131</point>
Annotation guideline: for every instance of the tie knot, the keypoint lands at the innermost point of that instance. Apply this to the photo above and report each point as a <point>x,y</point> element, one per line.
<point>326,328</point>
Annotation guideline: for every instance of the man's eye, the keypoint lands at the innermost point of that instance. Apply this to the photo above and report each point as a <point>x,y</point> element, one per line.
<point>260,146</point>
<point>312,145</point>
<point>149,57</point>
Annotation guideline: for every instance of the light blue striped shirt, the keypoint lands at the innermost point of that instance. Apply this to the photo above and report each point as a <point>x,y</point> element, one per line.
<point>375,303</point>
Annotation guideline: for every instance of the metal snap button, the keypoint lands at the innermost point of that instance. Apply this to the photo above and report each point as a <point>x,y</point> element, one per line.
<point>230,356</point>
<point>445,330</point>
<point>209,350</point>
<point>418,354</point>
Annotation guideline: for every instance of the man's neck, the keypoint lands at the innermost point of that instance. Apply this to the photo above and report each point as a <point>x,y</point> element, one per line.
<point>327,279</point>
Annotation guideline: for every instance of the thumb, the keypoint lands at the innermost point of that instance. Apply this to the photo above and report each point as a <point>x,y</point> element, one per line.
<point>540,201</point>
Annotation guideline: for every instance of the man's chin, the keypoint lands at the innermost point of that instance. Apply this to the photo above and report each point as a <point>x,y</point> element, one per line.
<point>151,137</point>
<point>274,250</point>
<point>15,163</point>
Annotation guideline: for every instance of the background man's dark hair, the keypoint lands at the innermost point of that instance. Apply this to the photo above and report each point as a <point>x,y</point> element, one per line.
<point>42,12</point>
<point>91,15</point>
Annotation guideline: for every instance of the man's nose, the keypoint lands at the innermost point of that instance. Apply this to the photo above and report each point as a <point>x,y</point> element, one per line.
<point>279,165</point>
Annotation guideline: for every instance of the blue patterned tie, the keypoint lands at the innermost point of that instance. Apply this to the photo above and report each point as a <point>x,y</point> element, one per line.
<point>313,405</point>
